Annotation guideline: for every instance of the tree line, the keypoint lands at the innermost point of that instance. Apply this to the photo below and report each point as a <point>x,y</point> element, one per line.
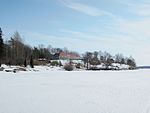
<point>15,52</point>
<point>106,59</point>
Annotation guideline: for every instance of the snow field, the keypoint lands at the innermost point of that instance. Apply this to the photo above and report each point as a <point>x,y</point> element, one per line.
<point>75,92</point>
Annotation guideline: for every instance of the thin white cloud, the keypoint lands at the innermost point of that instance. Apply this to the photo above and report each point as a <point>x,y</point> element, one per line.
<point>140,8</point>
<point>86,9</point>
<point>138,29</point>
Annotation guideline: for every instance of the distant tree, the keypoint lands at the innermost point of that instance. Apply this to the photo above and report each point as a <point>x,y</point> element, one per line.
<point>27,52</point>
<point>87,59</point>
<point>17,49</point>
<point>100,54</point>
<point>25,63</point>
<point>56,50</point>
<point>108,60</point>
<point>1,47</point>
<point>36,53</point>
<point>131,62</point>
<point>31,62</point>
<point>119,59</point>
<point>95,61</point>
<point>41,53</point>
<point>102,59</point>
<point>123,61</point>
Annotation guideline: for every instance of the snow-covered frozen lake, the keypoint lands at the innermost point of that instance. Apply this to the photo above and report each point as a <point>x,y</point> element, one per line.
<point>75,92</point>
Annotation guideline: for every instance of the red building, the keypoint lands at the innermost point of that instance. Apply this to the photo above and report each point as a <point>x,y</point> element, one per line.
<point>67,55</point>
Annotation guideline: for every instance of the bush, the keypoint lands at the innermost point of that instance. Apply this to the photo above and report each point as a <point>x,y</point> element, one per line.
<point>36,62</point>
<point>78,66</point>
<point>68,67</point>
<point>2,69</point>
<point>54,63</point>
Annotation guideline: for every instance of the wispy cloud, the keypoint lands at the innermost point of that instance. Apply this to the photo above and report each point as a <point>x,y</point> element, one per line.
<point>138,29</point>
<point>86,9</point>
<point>140,8</point>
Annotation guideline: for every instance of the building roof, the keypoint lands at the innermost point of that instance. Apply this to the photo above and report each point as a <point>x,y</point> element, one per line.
<point>66,55</point>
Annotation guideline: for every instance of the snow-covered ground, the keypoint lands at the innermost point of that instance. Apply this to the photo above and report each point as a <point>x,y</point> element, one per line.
<point>75,92</point>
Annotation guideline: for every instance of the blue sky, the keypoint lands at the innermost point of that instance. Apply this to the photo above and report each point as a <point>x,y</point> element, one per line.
<point>82,25</point>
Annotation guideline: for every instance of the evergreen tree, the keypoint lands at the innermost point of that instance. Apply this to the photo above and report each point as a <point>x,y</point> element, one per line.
<point>1,47</point>
<point>31,62</point>
<point>25,63</point>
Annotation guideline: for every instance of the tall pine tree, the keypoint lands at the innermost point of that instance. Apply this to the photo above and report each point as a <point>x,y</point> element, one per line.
<point>1,47</point>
